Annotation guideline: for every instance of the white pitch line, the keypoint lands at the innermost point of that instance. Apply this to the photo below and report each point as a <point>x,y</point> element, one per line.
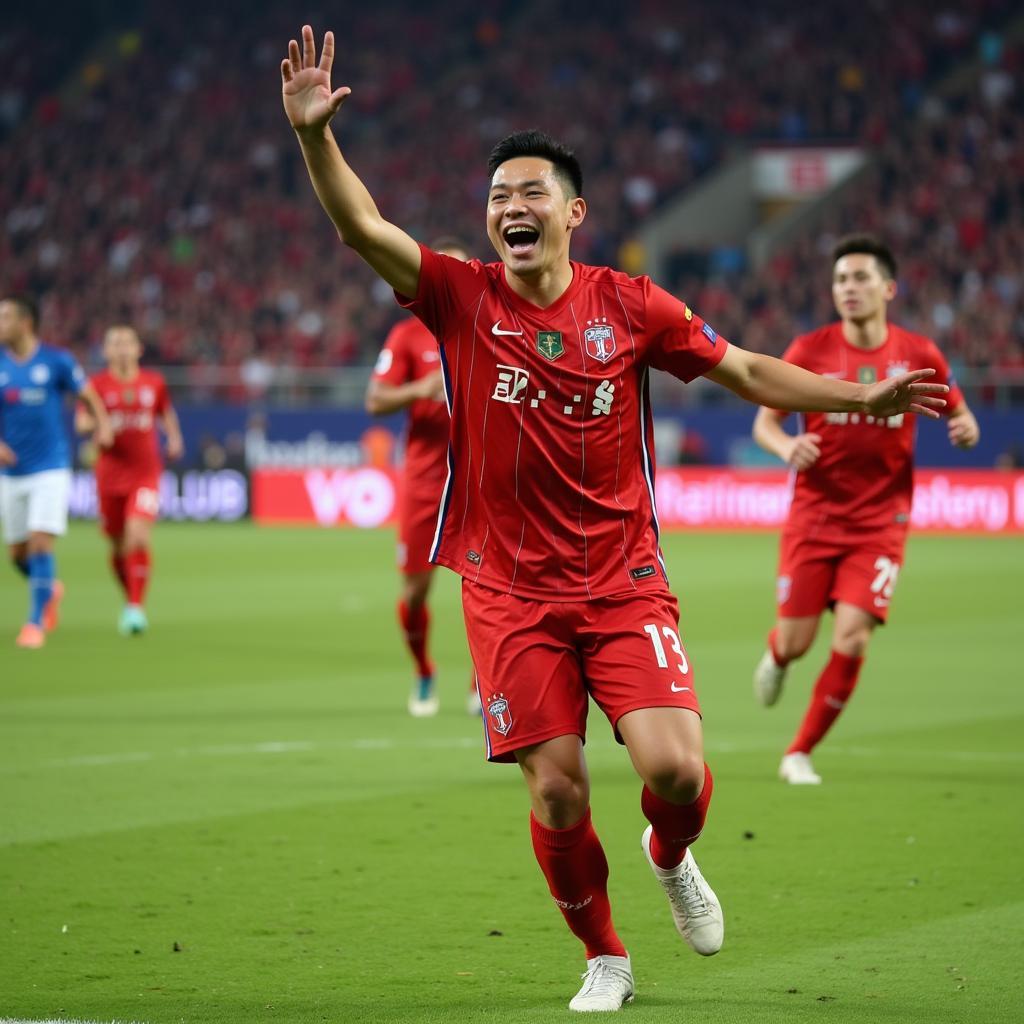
<point>56,1020</point>
<point>371,744</point>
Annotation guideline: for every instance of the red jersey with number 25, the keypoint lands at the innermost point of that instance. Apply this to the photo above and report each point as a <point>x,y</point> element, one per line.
<point>550,491</point>
<point>410,352</point>
<point>133,406</point>
<point>863,481</point>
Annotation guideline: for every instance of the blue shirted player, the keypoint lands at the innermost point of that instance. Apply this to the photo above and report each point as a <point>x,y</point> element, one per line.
<point>35,462</point>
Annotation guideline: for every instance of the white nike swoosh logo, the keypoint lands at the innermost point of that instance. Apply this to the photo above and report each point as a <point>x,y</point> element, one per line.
<point>496,329</point>
<point>679,689</point>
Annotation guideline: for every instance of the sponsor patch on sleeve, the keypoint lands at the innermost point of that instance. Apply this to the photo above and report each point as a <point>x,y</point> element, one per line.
<point>709,332</point>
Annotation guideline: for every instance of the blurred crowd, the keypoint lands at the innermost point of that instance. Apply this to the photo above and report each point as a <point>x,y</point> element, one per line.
<point>167,189</point>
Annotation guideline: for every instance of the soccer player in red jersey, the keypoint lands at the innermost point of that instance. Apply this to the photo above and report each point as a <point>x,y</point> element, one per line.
<point>842,546</point>
<point>128,473</point>
<point>548,509</point>
<point>408,376</point>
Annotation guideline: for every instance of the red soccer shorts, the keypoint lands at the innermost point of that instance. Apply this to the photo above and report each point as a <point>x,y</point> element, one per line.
<point>815,574</point>
<point>142,502</point>
<point>417,523</point>
<point>537,661</point>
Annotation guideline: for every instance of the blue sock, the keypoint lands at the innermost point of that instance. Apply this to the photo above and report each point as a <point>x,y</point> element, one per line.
<point>21,564</point>
<point>42,567</point>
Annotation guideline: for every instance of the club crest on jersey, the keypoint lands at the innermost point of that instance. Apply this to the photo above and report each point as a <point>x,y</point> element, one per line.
<point>866,374</point>
<point>549,344</point>
<point>600,339</point>
<point>895,369</point>
<point>501,715</point>
<point>39,374</point>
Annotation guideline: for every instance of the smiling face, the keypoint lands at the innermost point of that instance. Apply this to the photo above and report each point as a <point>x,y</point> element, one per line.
<point>860,290</point>
<point>530,217</point>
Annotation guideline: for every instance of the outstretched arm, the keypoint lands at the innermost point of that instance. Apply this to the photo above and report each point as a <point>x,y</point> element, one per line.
<point>781,385</point>
<point>310,105</point>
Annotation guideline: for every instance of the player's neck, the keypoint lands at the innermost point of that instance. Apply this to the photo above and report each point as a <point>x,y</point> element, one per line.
<point>124,374</point>
<point>24,348</point>
<point>543,290</point>
<point>866,334</point>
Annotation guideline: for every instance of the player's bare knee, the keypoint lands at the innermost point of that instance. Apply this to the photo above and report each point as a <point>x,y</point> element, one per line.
<point>414,592</point>
<point>678,780</point>
<point>853,643</point>
<point>561,798</point>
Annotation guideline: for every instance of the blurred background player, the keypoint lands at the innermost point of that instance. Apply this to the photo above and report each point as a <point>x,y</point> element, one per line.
<point>843,543</point>
<point>128,472</point>
<point>35,463</point>
<point>407,375</point>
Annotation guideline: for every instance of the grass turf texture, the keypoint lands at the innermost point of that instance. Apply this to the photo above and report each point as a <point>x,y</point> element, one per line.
<point>233,819</point>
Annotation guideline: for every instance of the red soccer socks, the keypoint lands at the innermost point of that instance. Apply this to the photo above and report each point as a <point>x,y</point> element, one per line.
<point>137,566</point>
<point>831,692</point>
<point>415,624</point>
<point>675,826</point>
<point>576,870</point>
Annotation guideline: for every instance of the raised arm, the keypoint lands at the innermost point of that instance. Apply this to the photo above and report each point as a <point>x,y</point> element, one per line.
<point>781,385</point>
<point>310,105</point>
<point>172,432</point>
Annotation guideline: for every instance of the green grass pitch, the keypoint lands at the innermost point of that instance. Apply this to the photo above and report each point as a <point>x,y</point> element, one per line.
<point>233,819</point>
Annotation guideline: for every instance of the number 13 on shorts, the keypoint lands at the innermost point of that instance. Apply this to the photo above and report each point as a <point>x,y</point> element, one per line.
<point>656,632</point>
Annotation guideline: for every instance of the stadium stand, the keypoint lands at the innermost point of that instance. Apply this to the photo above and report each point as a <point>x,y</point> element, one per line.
<point>190,214</point>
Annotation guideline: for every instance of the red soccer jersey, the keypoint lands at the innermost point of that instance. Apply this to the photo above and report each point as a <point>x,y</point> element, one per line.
<point>863,481</point>
<point>550,492</point>
<point>409,353</point>
<point>133,406</point>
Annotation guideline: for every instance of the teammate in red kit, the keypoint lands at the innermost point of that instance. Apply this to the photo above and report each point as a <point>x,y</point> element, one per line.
<point>128,473</point>
<point>408,376</point>
<point>842,546</point>
<point>548,509</point>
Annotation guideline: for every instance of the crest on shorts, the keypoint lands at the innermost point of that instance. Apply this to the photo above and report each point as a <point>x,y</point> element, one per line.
<point>600,338</point>
<point>501,714</point>
<point>783,588</point>
<point>549,344</point>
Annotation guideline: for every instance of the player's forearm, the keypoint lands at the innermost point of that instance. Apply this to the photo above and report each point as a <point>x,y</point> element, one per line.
<point>393,254</point>
<point>85,423</point>
<point>384,399</point>
<point>343,196</point>
<point>770,435</point>
<point>781,385</point>
<point>97,409</point>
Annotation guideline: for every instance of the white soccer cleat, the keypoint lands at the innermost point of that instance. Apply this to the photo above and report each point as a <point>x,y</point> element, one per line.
<point>695,907</point>
<point>423,701</point>
<point>768,679</point>
<point>607,984</point>
<point>797,770</point>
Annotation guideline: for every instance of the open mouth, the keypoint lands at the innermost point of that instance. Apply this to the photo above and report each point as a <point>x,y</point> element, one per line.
<point>521,238</point>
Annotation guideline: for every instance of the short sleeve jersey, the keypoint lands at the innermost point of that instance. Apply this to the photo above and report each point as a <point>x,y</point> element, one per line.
<point>550,489</point>
<point>863,481</point>
<point>32,396</point>
<point>134,457</point>
<point>410,352</point>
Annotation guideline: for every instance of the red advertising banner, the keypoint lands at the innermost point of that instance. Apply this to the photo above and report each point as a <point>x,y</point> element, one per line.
<point>691,498</point>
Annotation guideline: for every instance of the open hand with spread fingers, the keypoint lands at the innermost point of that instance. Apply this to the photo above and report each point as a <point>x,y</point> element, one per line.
<point>905,393</point>
<point>306,85</point>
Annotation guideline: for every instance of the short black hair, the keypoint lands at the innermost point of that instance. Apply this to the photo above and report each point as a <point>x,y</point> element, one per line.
<point>534,142</point>
<point>445,243</point>
<point>27,306</point>
<point>867,245</point>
